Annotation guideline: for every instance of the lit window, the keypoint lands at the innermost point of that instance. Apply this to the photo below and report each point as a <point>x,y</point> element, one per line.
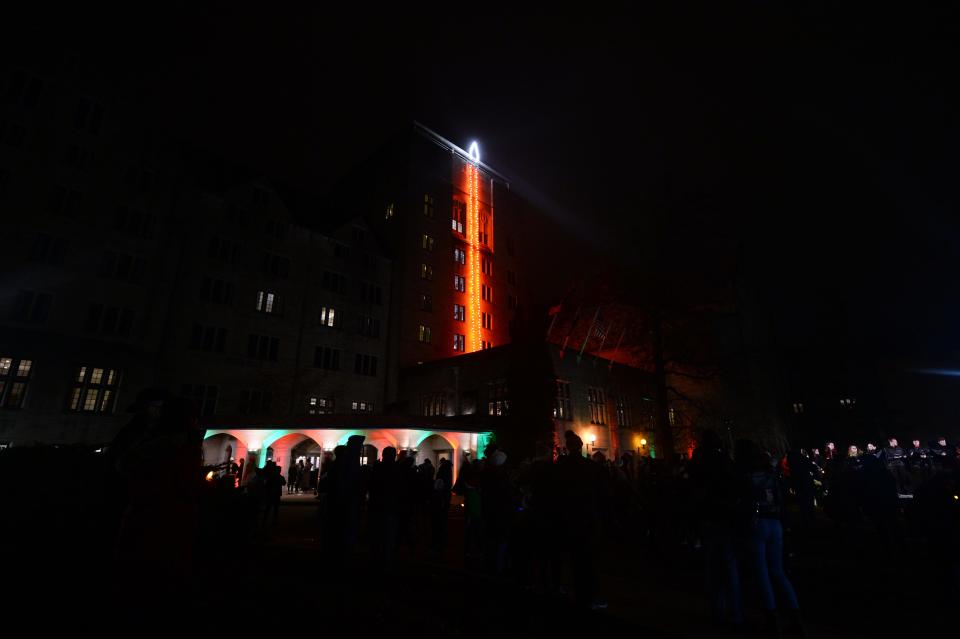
<point>266,302</point>
<point>498,401</point>
<point>798,407</point>
<point>458,220</point>
<point>427,205</point>
<point>562,404</point>
<point>459,342</point>
<point>94,390</point>
<point>459,283</point>
<point>459,312</point>
<point>389,212</point>
<point>424,334</point>
<point>623,411</point>
<point>328,316</point>
<point>320,406</point>
<point>459,256</point>
<point>672,415</point>
<point>598,410</point>
<point>426,242</point>
<point>14,379</point>
<point>361,407</point>
<point>426,272</point>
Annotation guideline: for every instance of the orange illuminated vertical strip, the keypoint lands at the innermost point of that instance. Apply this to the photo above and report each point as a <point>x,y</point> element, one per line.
<point>473,238</point>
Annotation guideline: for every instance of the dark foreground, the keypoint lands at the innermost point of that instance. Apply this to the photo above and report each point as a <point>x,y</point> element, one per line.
<point>61,578</point>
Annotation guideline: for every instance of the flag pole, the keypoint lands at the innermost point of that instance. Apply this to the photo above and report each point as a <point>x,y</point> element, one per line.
<point>586,339</point>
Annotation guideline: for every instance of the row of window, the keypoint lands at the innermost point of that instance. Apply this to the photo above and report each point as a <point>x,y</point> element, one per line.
<point>93,389</point>
<point>258,401</point>
<point>563,405</point>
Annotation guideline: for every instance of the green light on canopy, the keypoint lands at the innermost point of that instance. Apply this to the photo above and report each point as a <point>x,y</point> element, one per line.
<point>483,439</point>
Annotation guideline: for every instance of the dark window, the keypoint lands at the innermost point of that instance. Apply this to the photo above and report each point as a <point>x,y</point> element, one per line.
<point>140,178</point>
<point>511,277</point>
<point>216,290</point>
<point>365,365</point>
<point>263,347</point>
<point>371,293</point>
<point>94,390</point>
<point>369,326</point>
<point>434,405</point>
<point>24,89</point>
<point>486,292</point>
<point>512,302</point>
<point>65,201</point>
<point>211,339</point>
<point>255,401</point>
<point>205,396</point>
<point>49,249</point>
<point>140,224</point>
<point>623,411</point>
<point>427,205</point>
<point>122,267</point>
<point>223,250</point>
<point>109,320</point>
<point>333,282</point>
<point>327,358</point>
<point>32,307</point>
<point>276,265</point>
<point>426,302</point>
<point>426,272</point>
<point>89,116</point>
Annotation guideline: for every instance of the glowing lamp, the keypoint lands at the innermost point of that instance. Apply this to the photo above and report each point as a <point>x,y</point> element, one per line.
<point>643,441</point>
<point>210,476</point>
<point>253,445</point>
<point>592,438</point>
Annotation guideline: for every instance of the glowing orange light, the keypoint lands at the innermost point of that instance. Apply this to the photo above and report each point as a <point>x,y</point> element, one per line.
<point>473,238</point>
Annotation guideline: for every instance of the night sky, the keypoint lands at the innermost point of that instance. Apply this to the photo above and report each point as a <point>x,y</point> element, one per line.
<point>815,150</point>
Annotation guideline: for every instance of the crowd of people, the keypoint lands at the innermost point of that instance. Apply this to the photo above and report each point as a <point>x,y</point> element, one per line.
<point>538,520</point>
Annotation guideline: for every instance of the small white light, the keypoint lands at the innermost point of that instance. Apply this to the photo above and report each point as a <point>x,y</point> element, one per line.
<point>474,152</point>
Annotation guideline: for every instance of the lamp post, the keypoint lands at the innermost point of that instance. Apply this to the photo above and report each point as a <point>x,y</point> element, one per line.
<point>591,441</point>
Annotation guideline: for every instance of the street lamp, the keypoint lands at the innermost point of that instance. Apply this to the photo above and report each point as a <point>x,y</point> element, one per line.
<point>591,441</point>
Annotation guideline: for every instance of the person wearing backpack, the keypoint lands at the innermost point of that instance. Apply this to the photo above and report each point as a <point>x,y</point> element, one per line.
<point>763,498</point>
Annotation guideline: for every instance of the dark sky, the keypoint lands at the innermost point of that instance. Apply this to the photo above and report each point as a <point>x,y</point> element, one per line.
<point>818,147</point>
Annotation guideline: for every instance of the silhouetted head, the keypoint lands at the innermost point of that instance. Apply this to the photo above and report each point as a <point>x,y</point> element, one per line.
<point>339,452</point>
<point>574,443</point>
<point>709,439</point>
<point>498,458</point>
<point>389,454</point>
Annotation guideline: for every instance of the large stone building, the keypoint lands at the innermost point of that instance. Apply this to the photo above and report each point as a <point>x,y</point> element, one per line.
<point>136,260</point>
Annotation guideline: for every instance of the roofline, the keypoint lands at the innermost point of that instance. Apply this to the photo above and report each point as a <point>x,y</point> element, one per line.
<point>456,150</point>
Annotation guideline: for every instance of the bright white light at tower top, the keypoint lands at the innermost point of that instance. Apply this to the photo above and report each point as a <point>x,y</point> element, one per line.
<point>474,151</point>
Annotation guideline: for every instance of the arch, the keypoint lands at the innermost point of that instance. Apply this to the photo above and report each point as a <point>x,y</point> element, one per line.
<point>443,436</point>
<point>220,447</point>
